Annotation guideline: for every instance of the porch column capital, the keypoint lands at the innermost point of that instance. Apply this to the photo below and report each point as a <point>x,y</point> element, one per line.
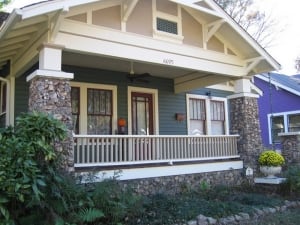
<point>245,88</point>
<point>50,56</point>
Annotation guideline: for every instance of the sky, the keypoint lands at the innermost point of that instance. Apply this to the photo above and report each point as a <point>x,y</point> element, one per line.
<point>286,46</point>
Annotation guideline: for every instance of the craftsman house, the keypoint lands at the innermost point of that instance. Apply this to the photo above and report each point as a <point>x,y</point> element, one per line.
<point>279,106</point>
<point>153,87</point>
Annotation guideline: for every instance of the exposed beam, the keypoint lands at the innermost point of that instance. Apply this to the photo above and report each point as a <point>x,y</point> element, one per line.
<point>251,63</point>
<point>13,41</point>
<point>128,7</point>
<point>196,81</point>
<point>55,23</point>
<point>21,31</point>
<point>212,28</point>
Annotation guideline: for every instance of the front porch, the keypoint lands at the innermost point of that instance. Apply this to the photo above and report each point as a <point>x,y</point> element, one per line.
<point>146,156</point>
<point>118,150</point>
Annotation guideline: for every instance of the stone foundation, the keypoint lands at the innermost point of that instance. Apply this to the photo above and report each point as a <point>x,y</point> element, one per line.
<point>181,183</point>
<point>52,96</point>
<point>245,122</point>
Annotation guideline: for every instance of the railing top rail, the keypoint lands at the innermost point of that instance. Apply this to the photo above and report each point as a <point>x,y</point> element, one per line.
<point>151,136</point>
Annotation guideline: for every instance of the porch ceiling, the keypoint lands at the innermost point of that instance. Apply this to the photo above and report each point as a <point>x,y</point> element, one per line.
<point>122,65</point>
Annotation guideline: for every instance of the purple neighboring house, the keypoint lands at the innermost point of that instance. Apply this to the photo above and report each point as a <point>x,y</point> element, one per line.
<point>279,107</point>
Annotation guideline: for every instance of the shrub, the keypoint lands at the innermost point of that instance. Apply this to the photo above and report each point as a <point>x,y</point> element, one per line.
<point>292,184</point>
<point>270,158</point>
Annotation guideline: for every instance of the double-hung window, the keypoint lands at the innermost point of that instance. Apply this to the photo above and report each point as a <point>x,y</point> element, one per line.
<point>206,115</point>
<point>93,108</point>
<point>283,122</point>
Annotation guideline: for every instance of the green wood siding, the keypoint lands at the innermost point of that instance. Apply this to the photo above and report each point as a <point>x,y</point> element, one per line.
<point>169,103</point>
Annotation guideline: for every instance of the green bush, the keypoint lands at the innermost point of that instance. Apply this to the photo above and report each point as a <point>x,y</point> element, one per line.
<point>34,189</point>
<point>27,156</point>
<point>292,184</point>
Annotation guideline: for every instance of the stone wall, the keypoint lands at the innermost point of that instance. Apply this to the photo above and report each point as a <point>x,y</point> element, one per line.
<point>291,148</point>
<point>181,183</point>
<point>244,121</point>
<point>53,96</point>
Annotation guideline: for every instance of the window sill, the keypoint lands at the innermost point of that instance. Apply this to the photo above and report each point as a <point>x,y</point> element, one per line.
<point>168,36</point>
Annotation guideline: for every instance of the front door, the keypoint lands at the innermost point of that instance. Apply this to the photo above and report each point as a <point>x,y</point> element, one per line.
<point>142,113</point>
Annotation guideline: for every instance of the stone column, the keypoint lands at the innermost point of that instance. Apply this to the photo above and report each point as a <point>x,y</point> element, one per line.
<point>291,148</point>
<point>50,92</point>
<point>244,121</point>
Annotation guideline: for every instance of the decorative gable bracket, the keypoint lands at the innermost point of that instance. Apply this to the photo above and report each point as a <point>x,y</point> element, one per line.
<point>211,28</point>
<point>127,8</point>
<point>251,63</point>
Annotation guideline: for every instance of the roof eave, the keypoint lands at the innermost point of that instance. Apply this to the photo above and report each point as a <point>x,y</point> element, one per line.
<point>245,35</point>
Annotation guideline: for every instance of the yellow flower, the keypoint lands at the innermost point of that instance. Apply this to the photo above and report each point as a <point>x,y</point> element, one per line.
<point>270,158</point>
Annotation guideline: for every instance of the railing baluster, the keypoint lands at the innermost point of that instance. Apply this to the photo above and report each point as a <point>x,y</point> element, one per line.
<point>119,150</point>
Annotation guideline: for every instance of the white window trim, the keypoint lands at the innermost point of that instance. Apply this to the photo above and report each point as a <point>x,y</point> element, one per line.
<point>285,121</point>
<point>207,107</point>
<point>154,93</point>
<point>9,113</point>
<point>83,104</point>
<point>177,38</point>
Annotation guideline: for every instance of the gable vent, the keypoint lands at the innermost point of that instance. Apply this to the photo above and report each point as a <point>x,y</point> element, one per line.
<point>166,26</point>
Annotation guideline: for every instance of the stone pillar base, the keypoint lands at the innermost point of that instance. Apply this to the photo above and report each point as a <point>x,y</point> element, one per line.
<point>245,122</point>
<point>53,96</point>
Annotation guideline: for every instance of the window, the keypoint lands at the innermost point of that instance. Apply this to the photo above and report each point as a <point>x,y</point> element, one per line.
<point>166,26</point>
<point>277,127</point>
<point>206,115</point>
<point>75,102</point>
<point>3,91</point>
<point>217,116</point>
<point>99,109</point>
<point>197,116</point>
<point>94,108</point>
<point>294,123</point>
<point>283,122</point>
<point>167,21</point>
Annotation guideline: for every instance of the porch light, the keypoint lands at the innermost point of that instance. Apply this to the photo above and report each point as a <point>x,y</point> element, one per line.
<point>121,122</point>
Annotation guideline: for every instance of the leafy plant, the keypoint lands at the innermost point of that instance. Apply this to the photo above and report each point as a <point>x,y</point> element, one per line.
<point>271,158</point>
<point>292,184</point>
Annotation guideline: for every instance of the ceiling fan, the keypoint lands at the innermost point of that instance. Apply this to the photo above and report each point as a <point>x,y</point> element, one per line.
<point>132,76</point>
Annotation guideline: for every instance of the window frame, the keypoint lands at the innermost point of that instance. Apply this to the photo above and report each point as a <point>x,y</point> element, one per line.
<point>285,121</point>
<point>163,35</point>
<point>208,125</point>
<point>83,118</point>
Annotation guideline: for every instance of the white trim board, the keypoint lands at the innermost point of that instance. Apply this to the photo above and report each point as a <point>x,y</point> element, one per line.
<point>161,171</point>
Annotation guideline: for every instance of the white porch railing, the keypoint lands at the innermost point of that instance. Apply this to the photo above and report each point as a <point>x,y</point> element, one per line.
<point>99,150</point>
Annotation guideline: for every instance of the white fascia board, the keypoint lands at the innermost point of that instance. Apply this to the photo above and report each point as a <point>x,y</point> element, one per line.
<point>125,51</point>
<point>51,6</point>
<point>246,36</point>
<point>197,7</point>
<point>13,18</point>
<point>275,83</point>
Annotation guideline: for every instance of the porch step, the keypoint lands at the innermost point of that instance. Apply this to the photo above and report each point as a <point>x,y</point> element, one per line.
<point>265,180</point>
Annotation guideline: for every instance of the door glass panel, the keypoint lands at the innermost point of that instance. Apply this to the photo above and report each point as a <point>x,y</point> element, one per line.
<point>142,119</point>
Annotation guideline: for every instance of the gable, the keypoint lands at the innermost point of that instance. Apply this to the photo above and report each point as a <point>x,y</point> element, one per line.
<point>197,37</point>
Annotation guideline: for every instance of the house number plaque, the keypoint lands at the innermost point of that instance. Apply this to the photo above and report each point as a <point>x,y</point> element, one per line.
<point>168,61</point>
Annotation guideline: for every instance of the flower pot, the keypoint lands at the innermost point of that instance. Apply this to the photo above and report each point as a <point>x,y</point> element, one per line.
<point>270,171</point>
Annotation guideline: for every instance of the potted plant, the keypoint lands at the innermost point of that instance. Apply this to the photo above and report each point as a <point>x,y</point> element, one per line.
<point>270,163</point>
